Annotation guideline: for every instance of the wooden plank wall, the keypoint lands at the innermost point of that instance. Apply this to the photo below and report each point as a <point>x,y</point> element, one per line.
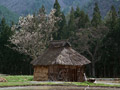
<point>66,73</point>
<point>59,73</point>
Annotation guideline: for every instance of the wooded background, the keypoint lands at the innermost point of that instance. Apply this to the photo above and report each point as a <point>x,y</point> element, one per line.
<point>96,38</point>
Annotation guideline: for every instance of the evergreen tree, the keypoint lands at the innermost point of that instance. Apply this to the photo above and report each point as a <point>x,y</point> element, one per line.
<point>77,12</point>
<point>119,13</point>
<point>117,28</point>
<point>111,18</point>
<point>63,28</point>
<point>81,21</point>
<point>96,20</point>
<point>87,21</point>
<point>71,23</point>
<point>111,45</point>
<point>8,55</point>
<point>61,24</point>
<point>5,32</point>
<point>57,8</point>
<point>42,10</point>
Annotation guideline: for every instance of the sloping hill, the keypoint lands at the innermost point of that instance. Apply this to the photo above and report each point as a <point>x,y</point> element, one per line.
<point>104,6</point>
<point>23,7</point>
<point>8,15</point>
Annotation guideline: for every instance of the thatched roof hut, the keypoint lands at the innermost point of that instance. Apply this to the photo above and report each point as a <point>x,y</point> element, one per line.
<point>60,63</point>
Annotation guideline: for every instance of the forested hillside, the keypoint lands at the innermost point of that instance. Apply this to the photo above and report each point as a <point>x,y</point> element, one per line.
<point>10,16</point>
<point>104,6</point>
<point>94,37</point>
<point>24,7</point>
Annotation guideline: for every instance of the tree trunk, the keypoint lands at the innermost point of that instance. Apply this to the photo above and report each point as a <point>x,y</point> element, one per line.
<point>93,68</point>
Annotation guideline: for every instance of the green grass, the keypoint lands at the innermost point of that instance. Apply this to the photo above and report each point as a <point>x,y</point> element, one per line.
<point>4,84</point>
<point>18,78</point>
<point>94,84</point>
<point>25,81</point>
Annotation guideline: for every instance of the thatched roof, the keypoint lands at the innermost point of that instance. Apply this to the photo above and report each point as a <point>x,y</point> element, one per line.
<point>60,53</point>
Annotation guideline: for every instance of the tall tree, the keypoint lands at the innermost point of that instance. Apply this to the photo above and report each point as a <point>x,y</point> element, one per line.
<point>111,45</point>
<point>87,21</point>
<point>5,32</point>
<point>34,33</point>
<point>9,57</point>
<point>42,10</point>
<point>89,42</point>
<point>77,12</point>
<point>57,8</point>
<point>60,24</point>
<point>111,18</point>
<point>71,23</point>
<point>81,20</point>
<point>63,28</point>
<point>96,20</point>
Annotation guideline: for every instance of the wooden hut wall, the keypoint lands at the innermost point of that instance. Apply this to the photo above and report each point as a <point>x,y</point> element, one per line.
<point>80,74</point>
<point>40,73</point>
<point>66,73</point>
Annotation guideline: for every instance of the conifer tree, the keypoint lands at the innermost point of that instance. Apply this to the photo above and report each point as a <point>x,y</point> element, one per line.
<point>81,22</point>
<point>42,10</point>
<point>111,18</point>
<point>61,24</point>
<point>96,20</point>
<point>71,23</point>
<point>5,32</point>
<point>77,12</point>
<point>87,21</point>
<point>119,13</point>
<point>63,28</point>
<point>57,8</point>
<point>81,19</point>
<point>112,42</point>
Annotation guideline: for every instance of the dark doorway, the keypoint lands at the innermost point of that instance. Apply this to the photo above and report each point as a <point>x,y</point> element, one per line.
<point>73,75</point>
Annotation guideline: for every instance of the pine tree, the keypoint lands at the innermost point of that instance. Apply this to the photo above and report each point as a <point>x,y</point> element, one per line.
<point>81,22</point>
<point>81,19</point>
<point>111,18</point>
<point>119,13</point>
<point>71,23</point>
<point>8,55</point>
<point>57,8</point>
<point>77,12</point>
<point>61,24</point>
<point>117,28</point>
<point>87,21</point>
<point>96,20</point>
<point>112,43</point>
<point>42,10</point>
<point>5,32</point>
<point>63,28</point>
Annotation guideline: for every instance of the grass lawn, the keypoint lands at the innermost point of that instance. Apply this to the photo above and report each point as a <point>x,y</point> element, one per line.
<point>25,81</point>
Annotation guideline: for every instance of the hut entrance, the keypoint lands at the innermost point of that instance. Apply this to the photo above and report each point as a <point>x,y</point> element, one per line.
<point>63,74</point>
<point>73,74</point>
<point>67,74</point>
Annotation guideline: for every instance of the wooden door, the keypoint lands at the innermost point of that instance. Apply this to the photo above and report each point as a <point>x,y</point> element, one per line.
<point>73,75</point>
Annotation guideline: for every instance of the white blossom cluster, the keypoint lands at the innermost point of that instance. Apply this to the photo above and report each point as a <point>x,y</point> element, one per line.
<point>33,33</point>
